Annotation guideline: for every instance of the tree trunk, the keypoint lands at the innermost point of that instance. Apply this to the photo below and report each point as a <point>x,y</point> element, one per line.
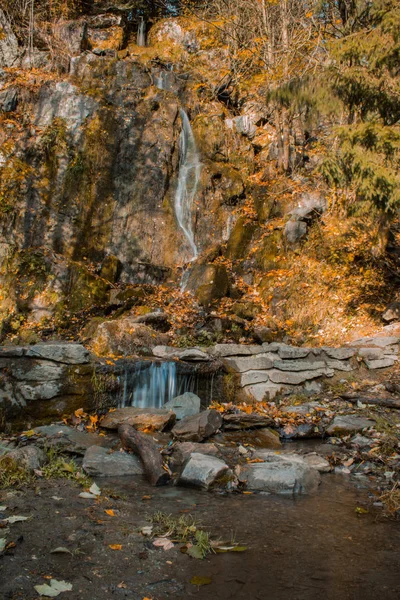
<point>142,445</point>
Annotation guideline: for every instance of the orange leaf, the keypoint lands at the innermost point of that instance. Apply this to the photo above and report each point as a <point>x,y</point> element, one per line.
<point>110,512</point>
<point>115,546</point>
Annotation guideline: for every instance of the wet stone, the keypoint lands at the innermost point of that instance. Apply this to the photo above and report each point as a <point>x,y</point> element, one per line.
<point>279,476</point>
<point>202,471</point>
<point>101,462</point>
<point>156,419</point>
<point>184,406</point>
<point>198,427</point>
<point>342,425</point>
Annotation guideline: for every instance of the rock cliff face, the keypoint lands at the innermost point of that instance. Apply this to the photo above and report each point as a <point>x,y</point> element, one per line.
<point>89,170</point>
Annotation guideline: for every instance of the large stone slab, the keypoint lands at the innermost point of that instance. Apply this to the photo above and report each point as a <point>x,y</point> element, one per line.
<point>298,365</point>
<point>183,450</point>
<point>280,476</point>
<point>346,424</point>
<point>70,354</point>
<point>40,370</point>
<point>291,352</point>
<point>189,354</point>
<point>371,353</point>
<point>378,341</point>
<point>69,439</point>
<point>253,377</point>
<point>261,391</point>
<point>339,353</point>
<point>383,363</point>
<point>339,365</point>
<point>100,462</point>
<point>202,471</point>
<point>156,419</point>
<point>311,460</point>
<point>297,378</point>
<point>242,420</point>
<point>224,350</point>
<point>198,427</point>
<point>184,406</point>
<point>250,363</point>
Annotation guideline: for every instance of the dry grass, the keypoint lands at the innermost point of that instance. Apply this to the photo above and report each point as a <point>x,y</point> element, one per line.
<point>391,502</point>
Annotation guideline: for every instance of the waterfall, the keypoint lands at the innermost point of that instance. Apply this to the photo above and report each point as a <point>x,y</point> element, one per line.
<point>188,181</point>
<point>151,384</point>
<point>161,81</point>
<point>141,34</point>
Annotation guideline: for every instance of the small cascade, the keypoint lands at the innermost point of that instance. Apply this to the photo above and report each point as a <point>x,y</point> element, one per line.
<point>151,384</point>
<point>188,181</point>
<point>141,34</point>
<point>161,82</point>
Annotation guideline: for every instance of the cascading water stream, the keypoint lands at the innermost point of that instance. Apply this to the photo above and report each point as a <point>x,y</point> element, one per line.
<point>188,181</point>
<point>141,34</point>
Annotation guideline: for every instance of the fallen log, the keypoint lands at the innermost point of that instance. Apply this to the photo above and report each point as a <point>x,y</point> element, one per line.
<point>142,445</point>
<point>385,402</point>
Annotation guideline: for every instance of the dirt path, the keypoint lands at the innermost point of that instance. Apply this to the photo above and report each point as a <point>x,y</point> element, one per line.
<point>304,549</point>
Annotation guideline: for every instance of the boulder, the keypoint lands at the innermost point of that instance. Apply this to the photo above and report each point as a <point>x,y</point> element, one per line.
<point>71,354</point>
<point>317,462</point>
<point>155,419</point>
<point>198,427</point>
<point>249,363</point>
<point>202,471</point>
<point>241,420</point>
<point>262,391</point>
<point>189,354</point>
<point>69,439</point>
<point>280,476</point>
<point>236,350</point>
<point>183,450</point>
<point>72,36</point>
<point>125,337</point>
<point>100,462</point>
<point>208,282</point>
<point>392,312</point>
<point>184,406</point>
<point>347,424</point>
<point>29,457</point>
<point>9,52</point>
<point>297,378</point>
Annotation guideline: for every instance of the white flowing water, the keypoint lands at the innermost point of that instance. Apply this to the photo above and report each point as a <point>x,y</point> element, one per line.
<point>161,81</point>
<point>141,34</point>
<point>188,181</point>
<point>151,384</point>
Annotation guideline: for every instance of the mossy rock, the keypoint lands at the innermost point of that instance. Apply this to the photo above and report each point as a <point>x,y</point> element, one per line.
<point>228,181</point>
<point>240,239</point>
<point>245,310</point>
<point>209,283</point>
<point>85,289</point>
<point>111,268</point>
<point>271,249</point>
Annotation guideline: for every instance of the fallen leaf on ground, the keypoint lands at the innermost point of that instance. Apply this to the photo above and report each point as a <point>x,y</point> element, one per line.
<point>195,552</point>
<point>15,519</point>
<point>54,589</point>
<point>163,543</point>
<point>122,585</point>
<point>3,544</point>
<point>200,580</point>
<point>110,512</point>
<point>94,489</point>
<point>147,530</point>
<point>115,546</point>
<point>61,550</point>
<point>3,508</point>
<point>361,511</point>
<point>146,497</point>
<point>87,495</point>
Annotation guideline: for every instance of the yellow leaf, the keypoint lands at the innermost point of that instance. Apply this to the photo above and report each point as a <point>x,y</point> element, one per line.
<point>110,512</point>
<point>79,412</point>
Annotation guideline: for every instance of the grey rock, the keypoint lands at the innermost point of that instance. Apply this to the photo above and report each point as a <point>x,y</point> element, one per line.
<point>315,461</point>
<point>383,363</point>
<point>8,100</point>
<point>280,476</point>
<point>253,377</point>
<point>339,353</point>
<point>40,390</point>
<point>30,457</point>
<point>392,312</point>
<point>291,352</point>
<point>40,370</point>
<point>302,431</point>
<point>73,35</point>
<point>9,52</point>
<point>236,350</point>
<point>339,365</point>
<point>184,406</point>
<point>101,462</point>
<point>156,419</point>
<point>69,439</point>
<point>303,409</point>
<point>190,354</point>
<point>361,441</point>
<point>298,365</point>
<point>311,460</point>
<point>63,101</point>
<point>345,424</point>
<point>202,471</point>
<point>71,354</point>
<point>371,353</point>
<point>249,363</point>
<point>198,427</point>
<point>298,377</point>
<point>378,341</point>
<point>260,391</point>
<point>183,450</point>
<point>294,231</point>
